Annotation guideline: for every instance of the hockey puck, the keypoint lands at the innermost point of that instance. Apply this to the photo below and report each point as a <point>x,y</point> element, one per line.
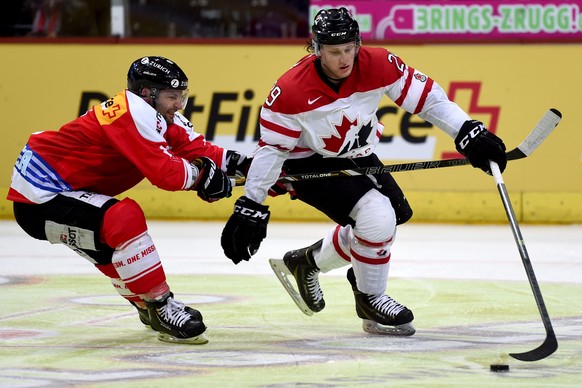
<point>499,368</point>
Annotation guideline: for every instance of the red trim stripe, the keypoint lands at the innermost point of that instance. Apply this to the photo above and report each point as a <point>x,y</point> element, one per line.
<point>264,144</point>
<point>368,260</point>
<point>373,244</point>
<point>337,245</point>
<point>146,271</point>
<point>400,99</point>
<point>280,129</point>
<point>108,270</point>
<point>425,92</point>
<point>379,131</point>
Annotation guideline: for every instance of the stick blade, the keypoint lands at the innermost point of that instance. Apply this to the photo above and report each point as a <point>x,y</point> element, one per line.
<point>541,131</point>
<point>546,349</point>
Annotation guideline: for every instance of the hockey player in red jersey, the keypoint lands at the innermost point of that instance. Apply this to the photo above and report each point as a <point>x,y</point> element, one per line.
<point>64,183</point>
<point>321,116</point>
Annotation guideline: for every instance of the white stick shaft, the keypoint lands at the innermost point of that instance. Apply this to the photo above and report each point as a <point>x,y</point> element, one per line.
<point>496,172</point>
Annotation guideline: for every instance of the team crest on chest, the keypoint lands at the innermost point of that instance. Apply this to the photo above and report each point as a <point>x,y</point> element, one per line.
<point>348,135</point>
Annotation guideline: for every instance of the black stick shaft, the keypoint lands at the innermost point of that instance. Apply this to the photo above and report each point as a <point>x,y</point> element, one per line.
<point>412,166</point>
<point>543,128</point>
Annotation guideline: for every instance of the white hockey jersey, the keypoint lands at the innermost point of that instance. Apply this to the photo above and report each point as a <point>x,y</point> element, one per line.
<point>303,115</point>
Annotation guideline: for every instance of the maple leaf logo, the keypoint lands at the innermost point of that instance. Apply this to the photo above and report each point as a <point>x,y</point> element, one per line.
<point>350,133</point>
<point>334,142</point>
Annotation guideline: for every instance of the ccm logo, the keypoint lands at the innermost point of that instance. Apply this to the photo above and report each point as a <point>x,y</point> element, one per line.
<point>471,135</point>
<point>245,211</point>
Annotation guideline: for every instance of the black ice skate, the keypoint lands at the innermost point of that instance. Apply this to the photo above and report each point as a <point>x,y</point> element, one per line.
<point>175,322</point>
<point>300,264</point>
<point>380,313</point>
<point>144,315</point>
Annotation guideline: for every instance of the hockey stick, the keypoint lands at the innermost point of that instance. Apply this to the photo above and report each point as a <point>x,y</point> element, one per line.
<point>543,128</point>
<point>550,345</point>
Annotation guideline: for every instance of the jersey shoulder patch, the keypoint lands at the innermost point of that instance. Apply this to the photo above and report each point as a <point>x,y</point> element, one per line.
<point>110,110</point>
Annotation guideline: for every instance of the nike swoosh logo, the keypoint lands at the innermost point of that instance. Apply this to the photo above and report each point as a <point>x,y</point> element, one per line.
<point>311,102</point>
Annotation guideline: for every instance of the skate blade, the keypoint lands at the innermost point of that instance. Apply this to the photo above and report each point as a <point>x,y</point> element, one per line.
<point>198,340</point>
<point>283,274</point>
<point>376,328</point>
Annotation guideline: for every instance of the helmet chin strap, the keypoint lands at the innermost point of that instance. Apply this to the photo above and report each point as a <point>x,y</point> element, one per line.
<point>152,96</point>
<point>316,48</point>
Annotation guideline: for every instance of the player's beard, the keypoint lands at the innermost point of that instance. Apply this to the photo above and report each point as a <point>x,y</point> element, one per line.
<point>169,117</point>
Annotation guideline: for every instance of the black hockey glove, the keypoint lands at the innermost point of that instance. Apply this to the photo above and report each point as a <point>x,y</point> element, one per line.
<point>212,183</point>
<point>480,146</point>
<point>245,230</point>
<point>237,164</point>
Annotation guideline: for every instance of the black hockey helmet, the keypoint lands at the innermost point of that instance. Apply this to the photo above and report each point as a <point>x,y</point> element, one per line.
<point>155,73</point>
<point>335,26</point>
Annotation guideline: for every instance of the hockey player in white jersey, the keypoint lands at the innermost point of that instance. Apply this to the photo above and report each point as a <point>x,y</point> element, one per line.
<point>321,116</point>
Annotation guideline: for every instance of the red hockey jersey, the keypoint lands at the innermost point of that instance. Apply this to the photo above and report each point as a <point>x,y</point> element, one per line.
<point>109,150</point>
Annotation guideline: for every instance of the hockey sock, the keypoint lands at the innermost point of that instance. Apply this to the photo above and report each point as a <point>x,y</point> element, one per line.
<point>135,259</point>
<point>109,271</point>
<point>335,249</point>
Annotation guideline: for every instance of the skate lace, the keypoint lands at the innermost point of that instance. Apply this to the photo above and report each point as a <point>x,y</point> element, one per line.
<point>313,284</point>
<point>173,312</point>
<point>386,305</point>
